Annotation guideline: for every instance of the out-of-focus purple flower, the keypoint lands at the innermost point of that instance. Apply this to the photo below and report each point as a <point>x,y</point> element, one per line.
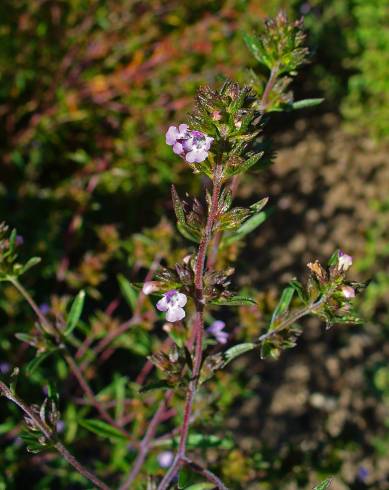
<point>173,304</point>
<point>216,329</point>
<point>344,261</point>
<point>363,473</point>
<point>305,8</point>
<point>5,367</point>
<point>19,240</point>
<point>44,308</point>
<point>348,292</point>
<point>60,426</point>
<point>165,459</point>
<point>191,145</point>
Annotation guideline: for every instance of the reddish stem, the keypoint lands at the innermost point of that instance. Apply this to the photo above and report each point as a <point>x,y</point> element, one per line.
<point>198,329</point>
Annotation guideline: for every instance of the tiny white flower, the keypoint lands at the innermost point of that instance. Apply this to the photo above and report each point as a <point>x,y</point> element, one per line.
<point>172,304</point>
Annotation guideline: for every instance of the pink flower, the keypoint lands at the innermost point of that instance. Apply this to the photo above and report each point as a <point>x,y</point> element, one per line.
<point>348,292</point>
<point>191,145</point>
<point>216,329</point>
<point>172,303</point>
<point>344,261</point>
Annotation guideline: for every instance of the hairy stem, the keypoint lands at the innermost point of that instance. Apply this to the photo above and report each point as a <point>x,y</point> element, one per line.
<point>50,436</point>
<point>198,329</point>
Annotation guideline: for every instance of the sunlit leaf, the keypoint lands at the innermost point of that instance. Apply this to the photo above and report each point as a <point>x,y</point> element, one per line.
<point>75,312</point>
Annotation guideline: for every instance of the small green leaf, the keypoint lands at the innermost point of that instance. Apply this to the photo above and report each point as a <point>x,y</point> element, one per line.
<point>178,207</point>
<point>234,301</point>
<point>129,291</point>
<point>298,287</point>
<point>324,484</point>
<point>102,429</point>
<point>283,304</point>
<point>75,312</point>
<point>188,232</point>
<point>206,441</point>
<point>237,350</point>
<point>302,104</point>
<point>24,337</point>
<point>12,241</point>
<point>248,226</point>
<point>30,263</point>
<point>253,45</point>
<point>33,365</point>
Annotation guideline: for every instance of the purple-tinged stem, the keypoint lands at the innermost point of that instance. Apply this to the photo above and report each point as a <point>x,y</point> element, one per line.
<point>198,330</point>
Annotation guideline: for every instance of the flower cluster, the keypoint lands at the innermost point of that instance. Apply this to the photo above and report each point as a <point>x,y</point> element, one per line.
<point>191,145</point>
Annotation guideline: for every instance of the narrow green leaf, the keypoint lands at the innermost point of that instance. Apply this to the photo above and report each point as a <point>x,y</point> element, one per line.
<point>283,304</point>
<point>102,429</point>
<point>12,241</point>
<point>188,232</point>
<point>234,301</point>
<point>206,441</point>
<point>324,484</point>
<point>33,365</point>
<point>248,226</point>
<point>245,166</point>
<point>178,207</point>
<point>75,312</point>
<point>129,291</point>
<point>237,350</point>
<point>30,263</point>
<point>253,45</point>
<point>25,337</point>
<point>302,104</point>
<point>298,287</point>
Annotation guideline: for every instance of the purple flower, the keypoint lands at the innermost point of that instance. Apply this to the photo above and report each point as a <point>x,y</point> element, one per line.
<point>172,303</point>
<point>363,473</point>
<point>44,308</point>
<point>19,240</point>
<point>192,145</point>
<point>5,367</point>
<point>216,329</point>
<point>165,459</point>
<point>348,292</point>
<point>60,426</point>
<point>344,261</point>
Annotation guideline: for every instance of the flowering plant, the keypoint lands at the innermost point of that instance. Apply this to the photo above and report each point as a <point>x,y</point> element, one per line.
<point>223,140</point>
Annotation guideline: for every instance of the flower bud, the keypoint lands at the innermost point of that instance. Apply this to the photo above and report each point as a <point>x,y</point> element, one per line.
<point>348,292</point>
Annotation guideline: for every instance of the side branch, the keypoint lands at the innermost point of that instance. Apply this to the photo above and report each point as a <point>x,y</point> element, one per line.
<point>50,436</point>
